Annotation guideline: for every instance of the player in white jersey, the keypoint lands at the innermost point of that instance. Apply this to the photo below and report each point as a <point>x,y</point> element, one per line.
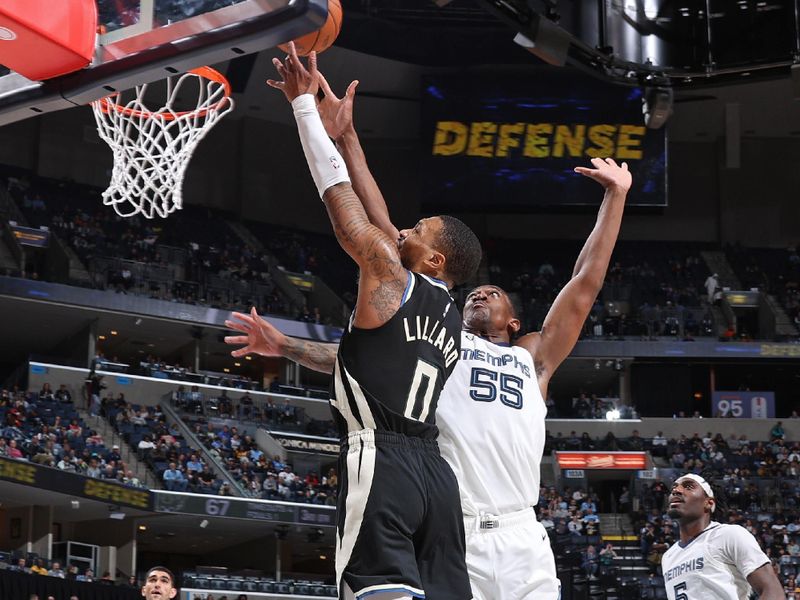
<point>712,561</point>
<point>491,412</point>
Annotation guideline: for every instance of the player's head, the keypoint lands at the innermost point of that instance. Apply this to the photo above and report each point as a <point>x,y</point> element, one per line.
<point>489,309</point>
<point>692,497</point>
<point>159,584</point>
<point>442,247</point>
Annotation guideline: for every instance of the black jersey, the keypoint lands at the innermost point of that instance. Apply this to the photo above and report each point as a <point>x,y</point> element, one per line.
<point>389,378</point>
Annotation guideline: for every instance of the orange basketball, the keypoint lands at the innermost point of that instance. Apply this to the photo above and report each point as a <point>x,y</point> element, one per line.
<point>323,38</point>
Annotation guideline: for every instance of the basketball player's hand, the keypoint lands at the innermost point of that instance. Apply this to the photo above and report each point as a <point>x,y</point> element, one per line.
<point>608,173</point>
<point>260,337</point>
<point>297,80</point>
<point>336,113</point>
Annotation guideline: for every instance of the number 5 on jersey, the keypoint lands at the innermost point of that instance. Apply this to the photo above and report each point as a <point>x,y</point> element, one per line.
<point>677,589</point>
<point>484,384</point>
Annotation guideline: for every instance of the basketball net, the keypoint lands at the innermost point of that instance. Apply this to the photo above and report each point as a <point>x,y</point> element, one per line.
<point>152,148</point>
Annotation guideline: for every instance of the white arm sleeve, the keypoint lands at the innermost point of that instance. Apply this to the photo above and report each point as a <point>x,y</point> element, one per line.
<point>324,161</point>
<point>742,550</point>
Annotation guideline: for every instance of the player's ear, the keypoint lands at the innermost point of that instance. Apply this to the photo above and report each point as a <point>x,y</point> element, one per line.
<point>514,326</point>
<point>436,261</point>
<point>173,592</point>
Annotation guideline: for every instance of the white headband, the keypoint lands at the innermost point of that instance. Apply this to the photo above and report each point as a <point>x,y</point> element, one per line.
<point>703,484</point>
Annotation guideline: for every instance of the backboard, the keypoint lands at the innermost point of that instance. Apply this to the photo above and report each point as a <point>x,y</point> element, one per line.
<point>141,41</point>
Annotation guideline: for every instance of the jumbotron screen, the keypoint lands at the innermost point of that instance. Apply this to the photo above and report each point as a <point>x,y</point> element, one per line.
<point>509,141</point>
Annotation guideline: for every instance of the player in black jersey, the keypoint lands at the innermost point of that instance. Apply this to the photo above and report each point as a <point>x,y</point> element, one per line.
<point>400,528</point>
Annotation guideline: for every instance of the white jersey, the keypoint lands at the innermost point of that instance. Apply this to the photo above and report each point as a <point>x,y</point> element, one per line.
<point>714,565</point>
<point>491,422</point>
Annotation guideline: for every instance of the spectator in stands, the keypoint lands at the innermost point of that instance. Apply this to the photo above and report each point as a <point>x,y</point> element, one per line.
<point>46,393</point>
<point>590,562</point>
<point>39,567</point>
<point>607,556</point>
<point>275,385</point>
<point>56,570</point>
<point>94,469</point>
<point>174,479</point>
<point>194,464</point>
<point>575,526</point>
<point>13,451</point>
<point>777,432</point>
<point>145,446</point>
<point>21,566</point>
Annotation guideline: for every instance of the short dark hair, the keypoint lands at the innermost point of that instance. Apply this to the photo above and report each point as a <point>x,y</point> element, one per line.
<point>165,570</point>
<point>461,249</point>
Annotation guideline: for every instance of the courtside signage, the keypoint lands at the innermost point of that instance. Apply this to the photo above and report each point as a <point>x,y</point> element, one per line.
<point>242,508</point>
<point>602,460</point>
<point>73,484</point>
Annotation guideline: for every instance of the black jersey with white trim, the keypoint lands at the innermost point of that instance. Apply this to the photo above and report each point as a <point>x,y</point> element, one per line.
<point>389,378</point>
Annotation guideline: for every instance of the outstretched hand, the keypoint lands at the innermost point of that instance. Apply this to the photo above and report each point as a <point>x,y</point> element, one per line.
<point>296,79</point>
<point>260,336</point>
<point>608,173</point>
<point>336,113</point>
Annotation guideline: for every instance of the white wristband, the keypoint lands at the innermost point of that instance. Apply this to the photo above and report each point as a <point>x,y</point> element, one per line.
<point>324,161</point>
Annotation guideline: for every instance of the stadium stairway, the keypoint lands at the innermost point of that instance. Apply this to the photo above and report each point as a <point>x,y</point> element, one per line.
<point>783,323</point>
<point>717,262</point>
<point>128,454</point>
<point>8,264</point>
<point>279,277</point>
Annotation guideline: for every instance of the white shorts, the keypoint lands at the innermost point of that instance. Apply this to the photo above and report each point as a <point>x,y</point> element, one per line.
<point>509,558</point>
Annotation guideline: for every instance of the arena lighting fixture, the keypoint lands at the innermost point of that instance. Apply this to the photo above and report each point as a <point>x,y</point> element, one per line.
<point>142,527</point>
<point>237,364</point>
<point>612,415</point>
<point>248,357</point>
<point>75,504</point>
<point>203,523</point>
<point>117,516</point>
<point>101,337</point>
<point>113,332</point>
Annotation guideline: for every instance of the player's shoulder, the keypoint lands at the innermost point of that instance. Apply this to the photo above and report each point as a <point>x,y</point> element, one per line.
<point>428,282</point>
<point>730,531</point>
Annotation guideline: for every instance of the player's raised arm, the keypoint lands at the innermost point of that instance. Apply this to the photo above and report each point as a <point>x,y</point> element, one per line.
<point>337,117</point>
<point>566,316</point>
<point>261,337</point>
<point>382,278</point>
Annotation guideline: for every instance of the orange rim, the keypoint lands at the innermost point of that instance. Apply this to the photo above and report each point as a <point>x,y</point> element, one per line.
<point>107,104</point>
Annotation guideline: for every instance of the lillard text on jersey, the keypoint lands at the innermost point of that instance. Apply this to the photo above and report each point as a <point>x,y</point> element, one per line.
<point>417,329</point>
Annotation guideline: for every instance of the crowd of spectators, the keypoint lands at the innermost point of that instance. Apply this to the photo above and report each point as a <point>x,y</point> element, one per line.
<point>270,412</point>
<point>651,290</point>
<point>259,475</point>
<point>179,467</point>
<point>44,428</point>
<point>196,259</point>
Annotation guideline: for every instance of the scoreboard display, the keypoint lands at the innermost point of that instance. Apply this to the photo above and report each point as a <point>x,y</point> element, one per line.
<point>509,141</point>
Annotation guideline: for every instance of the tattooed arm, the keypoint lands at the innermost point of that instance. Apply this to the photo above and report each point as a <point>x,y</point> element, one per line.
<point>261,337</point>
<point>382,278</point>
<point>317,356</point>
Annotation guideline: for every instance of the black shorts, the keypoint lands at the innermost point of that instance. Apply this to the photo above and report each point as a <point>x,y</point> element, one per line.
<point>399,522</point>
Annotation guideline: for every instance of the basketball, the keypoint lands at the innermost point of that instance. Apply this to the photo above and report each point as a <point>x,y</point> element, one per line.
<point>323,38</point>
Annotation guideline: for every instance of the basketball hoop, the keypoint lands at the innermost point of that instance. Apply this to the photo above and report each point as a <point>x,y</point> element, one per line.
<point>152,148</point>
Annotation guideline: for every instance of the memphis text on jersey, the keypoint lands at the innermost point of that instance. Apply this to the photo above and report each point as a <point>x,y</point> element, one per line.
<point>694,564</point>
<point>418,330</point>
<point>495,360</point>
